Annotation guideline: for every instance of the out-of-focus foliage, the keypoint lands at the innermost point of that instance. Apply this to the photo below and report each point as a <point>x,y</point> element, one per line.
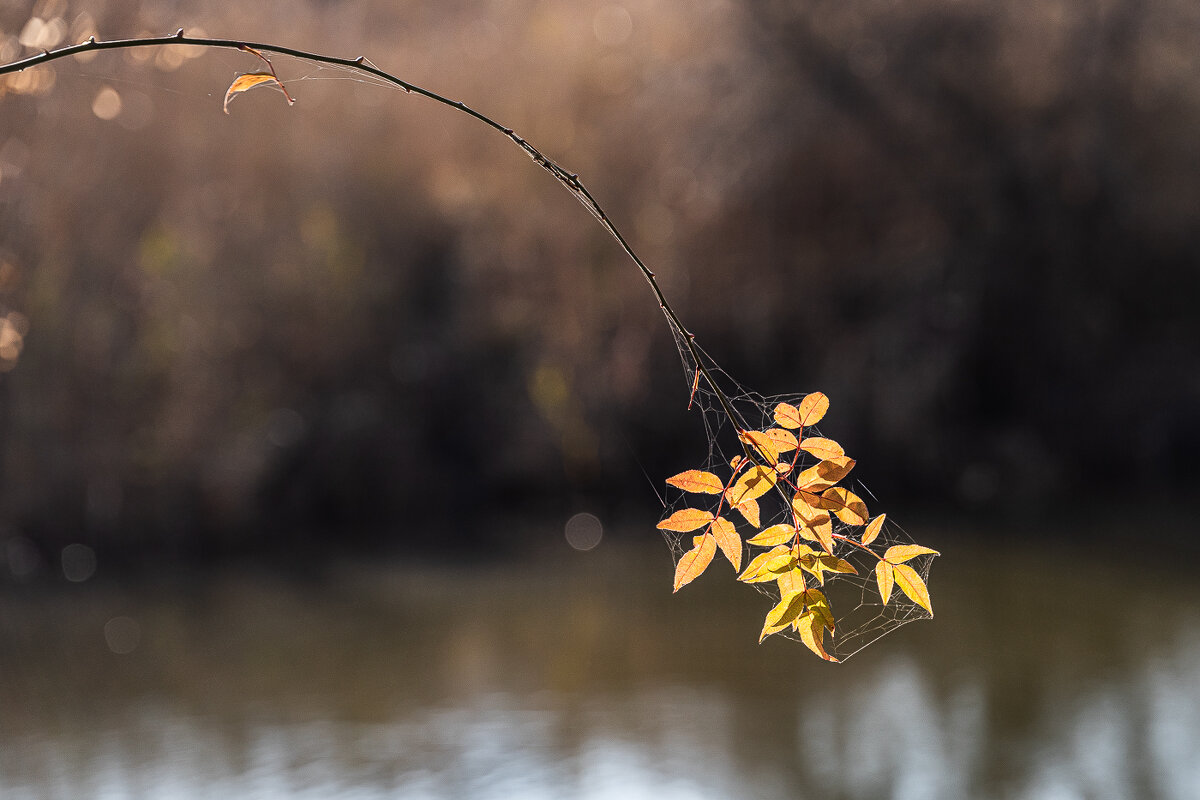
<point>971,221</point>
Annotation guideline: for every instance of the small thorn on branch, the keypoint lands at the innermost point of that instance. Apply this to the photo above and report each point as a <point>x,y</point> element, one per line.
<point>91,40</point>
<point>360,60</point>
<point>179,33</point>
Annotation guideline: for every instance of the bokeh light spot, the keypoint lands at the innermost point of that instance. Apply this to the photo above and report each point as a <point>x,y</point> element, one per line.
<point>122,635</point>
<point>612,25</point>
<point>107,104</point>
<point>584,531</point>
<point>78,562</point>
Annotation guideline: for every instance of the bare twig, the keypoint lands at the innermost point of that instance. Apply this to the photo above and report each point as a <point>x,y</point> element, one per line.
<point>566,178</point>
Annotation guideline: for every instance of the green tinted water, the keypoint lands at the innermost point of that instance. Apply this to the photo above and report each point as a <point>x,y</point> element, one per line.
<point>580,675</point>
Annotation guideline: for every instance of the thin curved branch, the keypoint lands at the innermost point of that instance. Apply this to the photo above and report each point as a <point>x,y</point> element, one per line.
<point>566,178</point>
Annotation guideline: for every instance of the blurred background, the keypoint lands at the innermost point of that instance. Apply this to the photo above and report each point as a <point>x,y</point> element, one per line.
<point>352,385</point>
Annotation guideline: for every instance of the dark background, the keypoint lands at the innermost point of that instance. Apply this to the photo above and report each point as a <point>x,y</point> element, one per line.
<point>368,322</point>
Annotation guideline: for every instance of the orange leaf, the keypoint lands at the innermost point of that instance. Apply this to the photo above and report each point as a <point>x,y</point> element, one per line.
<point>813,408</point>
<point>885,578</point>
<point>825,474</point>
<point>686,519</point>
<point>822,448</point>
<point>785,441</point>
<point>873,529</point>
<point>694,562</point>
<point>911,584</point>
<point>749,509</point>
<point>729,541</point>
<point>762,443</point>
<point>754,484</point>
<point>812,632</point>
<point>776,534</point>
<point>900,553</point>
<point>788,416</point>
<point>244,83</point>
<point>846,505</point>
<point>697,482</point>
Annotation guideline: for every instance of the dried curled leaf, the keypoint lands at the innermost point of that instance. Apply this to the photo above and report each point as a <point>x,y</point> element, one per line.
<point>693,563</point>
<point>697,482</point>
<point>911,584</point>
<point>898,554</point>
<point>244,83</point>
<point>686,519</point>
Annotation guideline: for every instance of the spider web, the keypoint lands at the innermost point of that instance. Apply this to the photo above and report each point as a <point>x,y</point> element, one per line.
<point>726,408</point>
<point>861,616</point>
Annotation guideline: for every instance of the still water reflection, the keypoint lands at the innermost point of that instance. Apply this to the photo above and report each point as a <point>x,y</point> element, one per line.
<point>580,675</point>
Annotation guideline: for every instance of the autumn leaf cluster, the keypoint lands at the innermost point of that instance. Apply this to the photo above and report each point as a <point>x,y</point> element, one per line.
<point>821,523</point>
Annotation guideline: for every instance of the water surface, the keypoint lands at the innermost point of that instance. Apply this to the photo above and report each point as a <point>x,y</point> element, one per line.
<point>1044,675</point>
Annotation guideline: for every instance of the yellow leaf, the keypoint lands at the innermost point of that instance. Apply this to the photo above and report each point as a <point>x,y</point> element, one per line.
<point>788,416</point>
<point>776,534</point>
<point>698,482</point>
<point>686,519</point>
<point>694,562</point>
<point>756,570</point>
<point>911,584</point>
<point>834,564</point>
<point>818,604</point>
<point>873,529</point>
<point>780,563</point>
<point>244,83</point>
<point>749,509</point>
<point>728,540</point>
<point>885,578</point>
<point>791,582</point>
<point>825,474</point>
<point>822,448</point>
<point>754,484</point>
<point>785,441</point>
<point>813,408</point>
<point>812,632</point>
<point>898,554</point>
<point>846,505</point>
<point>781,616</point>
